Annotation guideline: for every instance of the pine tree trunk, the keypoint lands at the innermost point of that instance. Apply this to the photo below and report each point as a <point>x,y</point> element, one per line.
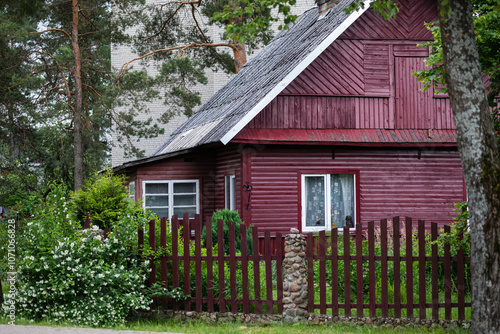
<point>77,117</point>
<point>480,159</point>
<point>240,56</point>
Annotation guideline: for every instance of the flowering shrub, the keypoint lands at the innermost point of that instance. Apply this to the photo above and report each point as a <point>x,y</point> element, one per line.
<point>84,280</point>
<point>66,274</point>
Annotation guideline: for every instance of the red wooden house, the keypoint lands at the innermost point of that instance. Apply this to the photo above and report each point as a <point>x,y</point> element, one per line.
<point>325,127</point>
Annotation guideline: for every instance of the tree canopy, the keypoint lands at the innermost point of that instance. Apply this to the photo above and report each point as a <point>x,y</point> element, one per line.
<point>59,95</point>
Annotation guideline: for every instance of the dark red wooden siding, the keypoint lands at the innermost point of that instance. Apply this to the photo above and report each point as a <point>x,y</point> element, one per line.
<point>414,107</point>
<point>364,80</point>
<point>227,162</point>
<point>407,25</point>
<point>392,182</point>
<point>325,77</point>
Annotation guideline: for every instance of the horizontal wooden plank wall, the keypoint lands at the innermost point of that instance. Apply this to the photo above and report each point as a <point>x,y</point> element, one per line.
<point>391,182</point>
<point>227,162</point>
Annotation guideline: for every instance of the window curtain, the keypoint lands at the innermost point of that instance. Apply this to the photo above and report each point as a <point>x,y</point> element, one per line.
<point>315,200</point>
<point>342,198</point>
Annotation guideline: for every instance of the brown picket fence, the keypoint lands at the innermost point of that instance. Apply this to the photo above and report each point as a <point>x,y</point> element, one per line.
<point>387,270</point>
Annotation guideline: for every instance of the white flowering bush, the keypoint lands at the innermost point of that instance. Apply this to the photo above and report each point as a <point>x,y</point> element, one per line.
<point>85,280</point>
<point>78,276</point>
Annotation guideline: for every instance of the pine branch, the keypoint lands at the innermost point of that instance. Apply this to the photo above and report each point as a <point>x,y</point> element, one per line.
<point>53,29</point>
<point>182,50</point>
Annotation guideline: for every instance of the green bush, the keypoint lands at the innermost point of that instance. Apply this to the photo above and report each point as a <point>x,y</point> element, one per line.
<point>104,197</point>
<point>66,274</point>
<point>227,216</point>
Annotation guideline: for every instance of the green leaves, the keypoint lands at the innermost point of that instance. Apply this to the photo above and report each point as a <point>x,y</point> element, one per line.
<point>244,20</point>
<point>387,8</point>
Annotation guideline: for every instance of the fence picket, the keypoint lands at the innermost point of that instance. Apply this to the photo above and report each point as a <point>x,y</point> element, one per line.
<point>175,256</point>
<point>140,240</point>
<point>359,271</point>
<point>421,270</point>
<point>244,268</point>
<point>279,270</point>
<point>186,234</point>
<point>435,273</point>
<point>335,272</point>
<point>371,267</point>
<point>232,267</point>
<point>409,267</point>
<point>256,270</point>
<point>384,268</point>
<point>197,252</point>
<point>322,272</point>
<point>310,272</point>
<point>163,259</point>
<point>397,267</point>
<point>347,272</point>
<point>269,271</point>
<point>210,266</point>
<point>447,278</point>
<point>220,250</point>
<point>152,266</point>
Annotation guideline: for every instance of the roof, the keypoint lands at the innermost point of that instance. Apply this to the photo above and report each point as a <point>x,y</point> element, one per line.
<point>366,137</point>
<point>231,108</point>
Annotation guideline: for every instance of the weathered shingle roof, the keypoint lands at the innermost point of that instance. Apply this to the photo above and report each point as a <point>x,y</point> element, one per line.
<point>261,79</point>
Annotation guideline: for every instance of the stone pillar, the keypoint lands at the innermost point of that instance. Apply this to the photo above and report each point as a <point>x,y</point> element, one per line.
<point>295,278</point>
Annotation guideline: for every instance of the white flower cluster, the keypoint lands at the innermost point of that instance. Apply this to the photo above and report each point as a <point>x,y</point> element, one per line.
<point>84,281</point>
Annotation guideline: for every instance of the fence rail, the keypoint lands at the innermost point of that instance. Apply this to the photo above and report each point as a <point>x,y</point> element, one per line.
<point>386,272</point>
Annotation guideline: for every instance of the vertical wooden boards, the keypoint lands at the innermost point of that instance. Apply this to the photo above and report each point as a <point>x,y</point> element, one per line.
<point>197,262</point>
<point>210,266</point>
<point>396,230</point>
<point>186,235</point>
<point>414,107</point>
<point>163,259</point>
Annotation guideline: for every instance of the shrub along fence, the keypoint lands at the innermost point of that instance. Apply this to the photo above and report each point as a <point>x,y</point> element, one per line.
<point>391,269</point>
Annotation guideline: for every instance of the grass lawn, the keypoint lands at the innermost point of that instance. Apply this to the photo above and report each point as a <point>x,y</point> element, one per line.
<point>162,325</point>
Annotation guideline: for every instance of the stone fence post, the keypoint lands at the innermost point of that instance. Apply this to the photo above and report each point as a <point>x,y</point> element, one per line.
<point>295,278</point>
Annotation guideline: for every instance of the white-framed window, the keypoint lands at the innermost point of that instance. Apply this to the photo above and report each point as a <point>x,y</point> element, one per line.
<point>230,193</point>
<point>131,190</point>
<point>172,197</point>
<point>328,201</point>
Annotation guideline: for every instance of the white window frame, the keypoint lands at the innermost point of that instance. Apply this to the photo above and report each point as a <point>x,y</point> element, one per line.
<point>131,190</point>
<point>170,194</point>
<point>230,192</point>
<point>327,199</point>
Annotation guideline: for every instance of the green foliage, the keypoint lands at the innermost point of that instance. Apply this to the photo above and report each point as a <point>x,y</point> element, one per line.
<point>104,197</point>
<point>387,8</point>
<point>37,90</point>
<point>82,279</point>
<point>243,20</point>
<point>459,235</point>
<point>69,275</point>
<point>487,32</point>
<point>228,216</point>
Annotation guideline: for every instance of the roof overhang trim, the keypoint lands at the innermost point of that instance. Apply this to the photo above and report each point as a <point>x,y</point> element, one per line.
<point>294,73</point>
